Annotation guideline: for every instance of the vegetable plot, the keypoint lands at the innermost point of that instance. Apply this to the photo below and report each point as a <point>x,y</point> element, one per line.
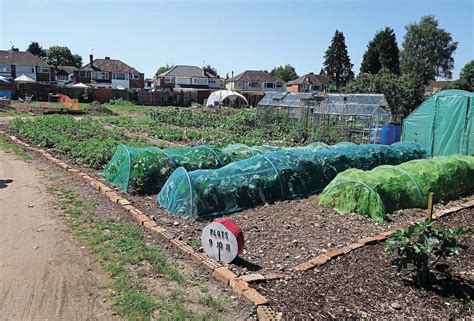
<point>388,188</point>
<point>145,170</point>
<point>272,177</point>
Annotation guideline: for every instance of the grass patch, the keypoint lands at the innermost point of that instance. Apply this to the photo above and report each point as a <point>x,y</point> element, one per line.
<point>127,258</point>
<point>9,147</point>
<point>127,106</point>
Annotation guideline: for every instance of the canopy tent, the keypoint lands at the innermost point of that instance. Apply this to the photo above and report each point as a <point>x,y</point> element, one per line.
<point>24,79</point>
<point>444,123</point>
<point>80,85</point>
<point>217,98</point>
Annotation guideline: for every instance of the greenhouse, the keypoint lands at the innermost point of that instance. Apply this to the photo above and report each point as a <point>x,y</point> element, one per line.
<point>272,177</point>
<point>144,170</point>
<point>357,117</point>
<point>444,123</point>
<point>385,189</point>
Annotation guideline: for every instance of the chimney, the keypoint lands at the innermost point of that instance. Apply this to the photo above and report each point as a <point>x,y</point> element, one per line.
<point>91,59</point>
<point>107,58</point>
<point>232,74</point>
<point>311,73</point>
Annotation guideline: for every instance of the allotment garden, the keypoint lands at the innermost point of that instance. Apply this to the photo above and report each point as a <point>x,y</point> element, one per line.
<point>297,199</point>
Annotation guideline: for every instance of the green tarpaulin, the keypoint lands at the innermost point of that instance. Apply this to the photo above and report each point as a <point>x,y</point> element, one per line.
<point>444,123</point>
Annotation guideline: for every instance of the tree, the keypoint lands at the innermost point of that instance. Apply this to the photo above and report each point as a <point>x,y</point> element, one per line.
<point>211,70</point>
<point>466,78</point>
<point>285,73</point>
<point>322,72</point>
<point>163,69</point>
<point>403,94</point>
<point>427,51</point>
<point>36,49</point>
<point>382,52</point>
<point>62,56</point>
<point>337,63</point>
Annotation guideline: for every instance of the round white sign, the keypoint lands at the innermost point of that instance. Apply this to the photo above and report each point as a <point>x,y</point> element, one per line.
<point>222,240</point>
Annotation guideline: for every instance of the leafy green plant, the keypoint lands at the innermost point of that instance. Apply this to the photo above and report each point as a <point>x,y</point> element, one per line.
<point>420,247</point>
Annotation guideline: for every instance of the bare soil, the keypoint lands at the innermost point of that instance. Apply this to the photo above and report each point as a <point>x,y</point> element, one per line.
<point>44,272</point>
<point>364,284</point>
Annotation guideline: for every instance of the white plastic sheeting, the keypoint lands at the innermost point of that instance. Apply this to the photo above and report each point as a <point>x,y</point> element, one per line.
<point>215,99</point>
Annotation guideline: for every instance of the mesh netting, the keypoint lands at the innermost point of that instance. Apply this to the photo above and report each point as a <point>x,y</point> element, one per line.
<point>271,177</point>
<point>388,188</point>
<point>144,170</point>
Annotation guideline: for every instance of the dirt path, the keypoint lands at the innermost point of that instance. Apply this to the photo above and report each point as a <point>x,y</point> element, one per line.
<point>44,272</point>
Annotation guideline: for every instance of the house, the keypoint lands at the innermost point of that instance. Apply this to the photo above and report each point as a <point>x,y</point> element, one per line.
<point>255,81</point>
<point>65,74</point>
<point>308,83</point>
<point>185,77</point>
<point>109,73</point>
<point>148,84</point>
<point>436,86</point>
<point>14,63</point>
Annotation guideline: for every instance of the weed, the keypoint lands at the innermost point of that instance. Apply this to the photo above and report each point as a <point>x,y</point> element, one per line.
<point>13,148</point>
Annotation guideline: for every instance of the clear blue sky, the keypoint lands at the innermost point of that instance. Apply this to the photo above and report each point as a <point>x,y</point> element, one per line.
<point>229,35</point>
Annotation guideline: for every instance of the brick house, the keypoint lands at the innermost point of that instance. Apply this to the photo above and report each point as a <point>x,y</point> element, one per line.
<point>14,63</point>
<point>109,73</point>
<point>65,74</point>
<point>185,77</point>
<point>252,81</point>
<point>308,83</point>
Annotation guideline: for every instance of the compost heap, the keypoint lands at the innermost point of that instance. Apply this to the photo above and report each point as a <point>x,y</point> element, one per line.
<point>144,170</point>
<point>388,188</point>
<point>272,177</point>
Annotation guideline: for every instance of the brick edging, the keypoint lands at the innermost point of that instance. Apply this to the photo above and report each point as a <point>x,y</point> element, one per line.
<point>220,273</point>
<point>332,254</point>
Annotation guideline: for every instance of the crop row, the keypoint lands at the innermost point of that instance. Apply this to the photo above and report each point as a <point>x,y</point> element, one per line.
<point>84,140</point>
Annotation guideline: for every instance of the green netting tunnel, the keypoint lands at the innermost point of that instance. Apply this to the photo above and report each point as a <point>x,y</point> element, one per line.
<point>271,177</point>
<point>385,189</point>
<point>144,170</point>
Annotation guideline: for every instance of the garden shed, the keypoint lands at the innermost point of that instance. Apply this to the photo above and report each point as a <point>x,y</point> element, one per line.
<point>443,123</point>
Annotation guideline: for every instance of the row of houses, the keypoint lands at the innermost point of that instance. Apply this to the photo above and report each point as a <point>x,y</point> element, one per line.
<point>115,74</point>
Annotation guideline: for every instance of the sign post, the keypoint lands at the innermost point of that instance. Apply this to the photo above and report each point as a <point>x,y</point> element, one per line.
<point>222,240</point>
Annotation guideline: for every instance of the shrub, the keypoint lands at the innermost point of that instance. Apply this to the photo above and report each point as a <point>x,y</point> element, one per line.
<point>420,247</point>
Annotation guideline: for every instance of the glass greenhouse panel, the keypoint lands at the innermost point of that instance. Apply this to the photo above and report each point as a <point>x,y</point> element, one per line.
<point>272,177</point>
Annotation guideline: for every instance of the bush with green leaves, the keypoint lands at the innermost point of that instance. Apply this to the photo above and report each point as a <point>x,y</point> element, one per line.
<point>420,247</point>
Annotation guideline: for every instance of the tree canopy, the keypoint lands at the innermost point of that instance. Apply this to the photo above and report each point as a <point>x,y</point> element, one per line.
<point>466,78</point>
<point>403,94</point>
<point>211,70</point>
<point>382,52</point>
<point>337,63</point>
<point>285,73</point>
<point>36,49</point>
<point>62,56</point>
<point>427,51</point>
<point>162,69</point>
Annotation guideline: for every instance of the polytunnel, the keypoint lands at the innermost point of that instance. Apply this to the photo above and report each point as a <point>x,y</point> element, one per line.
<point>272,177</point>
<point>144,170</point>
<point>385,189</point>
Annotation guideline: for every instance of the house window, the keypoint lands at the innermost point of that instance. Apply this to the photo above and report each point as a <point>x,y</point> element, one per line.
<point>119,75</point>
<point>61,77</point>
<point>169,80</point>
<point>43,69</point>
<point>254,84</point>
<point>5,68</point>
<point>212,81</point>
<point>83,74</point>
<point>134,76</point>
<point>279,85</point>
<point>269,85</point>
<point>99,75</point>
<point>200,81</point>
<point>25,69</point>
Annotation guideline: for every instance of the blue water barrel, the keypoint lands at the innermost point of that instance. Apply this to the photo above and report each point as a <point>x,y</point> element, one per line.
<point>391,134</point>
